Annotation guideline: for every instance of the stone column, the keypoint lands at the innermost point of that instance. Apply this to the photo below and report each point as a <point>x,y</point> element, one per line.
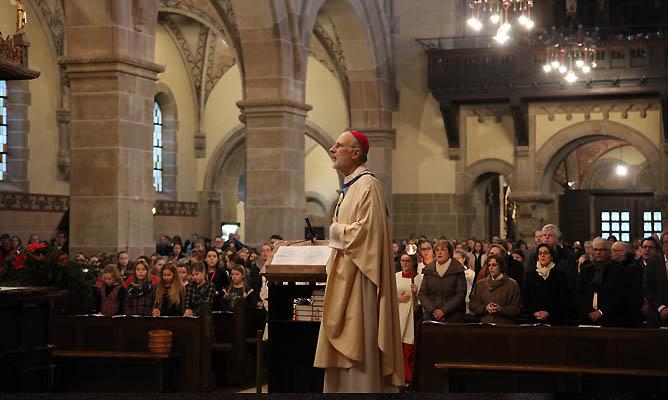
<point>381,145</point>
<point>532,213</point>
<point>274,169</point>
<point>63,116</point>
<point>109,54</point>
<point>214,214</point>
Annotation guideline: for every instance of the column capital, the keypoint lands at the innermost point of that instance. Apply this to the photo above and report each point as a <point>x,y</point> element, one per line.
<point>213,197</point>
<point>661,196</point>
<point>380,136</point>
<point>78,67</point>
<point>271,106</point>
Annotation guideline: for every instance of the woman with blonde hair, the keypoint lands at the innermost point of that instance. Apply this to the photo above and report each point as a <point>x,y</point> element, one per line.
<point>169,294</point>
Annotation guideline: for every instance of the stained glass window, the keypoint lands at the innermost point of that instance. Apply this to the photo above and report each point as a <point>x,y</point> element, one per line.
<point>157,147</point>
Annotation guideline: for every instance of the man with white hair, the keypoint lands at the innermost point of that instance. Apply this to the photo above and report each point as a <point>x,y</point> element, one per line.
<point>565,258</point>
<point>600,291</point>
<point>359,344</point>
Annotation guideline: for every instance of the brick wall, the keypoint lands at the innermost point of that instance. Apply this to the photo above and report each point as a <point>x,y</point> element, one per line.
<point>432,214</point>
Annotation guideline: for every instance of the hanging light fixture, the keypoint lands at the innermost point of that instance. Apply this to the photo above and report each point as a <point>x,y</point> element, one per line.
<point>501,14</point>
<point>572,54</point>
<point>622,169</point>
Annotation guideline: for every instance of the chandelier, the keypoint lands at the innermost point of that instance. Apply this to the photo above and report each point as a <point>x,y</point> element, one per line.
<point>500,14</point>
<point>571,55</point>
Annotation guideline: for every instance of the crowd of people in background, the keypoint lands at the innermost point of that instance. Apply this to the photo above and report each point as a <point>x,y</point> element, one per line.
<point>173,281</point>
<point>603,282</point>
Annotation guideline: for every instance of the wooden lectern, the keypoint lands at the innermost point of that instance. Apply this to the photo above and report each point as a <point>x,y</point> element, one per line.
<point>292,343</point>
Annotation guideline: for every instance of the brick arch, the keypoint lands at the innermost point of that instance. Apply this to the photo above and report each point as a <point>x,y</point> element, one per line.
<point>235,138</point>
<point>566,140</point>
<point>225,29</point>
<point>486,166</point>
<point>362,29</point>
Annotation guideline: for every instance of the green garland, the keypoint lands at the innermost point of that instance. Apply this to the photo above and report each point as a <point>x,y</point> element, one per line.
<point>40,265</point>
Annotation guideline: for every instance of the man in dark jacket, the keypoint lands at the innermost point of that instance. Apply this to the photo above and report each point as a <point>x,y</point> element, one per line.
<point>655,286</point>
<point>633,271</point>
<point>600,291</point>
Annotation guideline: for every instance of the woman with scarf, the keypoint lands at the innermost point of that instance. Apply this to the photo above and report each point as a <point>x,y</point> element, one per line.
<point>141,291</point>
<point>496,299</point>
<point>545,294</point>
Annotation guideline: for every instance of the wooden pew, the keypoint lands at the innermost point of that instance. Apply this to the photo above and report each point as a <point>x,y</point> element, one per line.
<point>97,353</point>
<point>474,358</point>
<point>234,331</point>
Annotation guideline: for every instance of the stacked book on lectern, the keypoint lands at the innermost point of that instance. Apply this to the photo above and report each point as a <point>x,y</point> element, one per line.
<point>310,310</point>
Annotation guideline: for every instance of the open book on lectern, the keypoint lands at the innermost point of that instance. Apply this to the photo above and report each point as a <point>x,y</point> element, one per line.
<point>302,255</point>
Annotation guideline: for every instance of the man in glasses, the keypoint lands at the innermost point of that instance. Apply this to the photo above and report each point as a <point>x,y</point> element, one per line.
<point>600,290</point>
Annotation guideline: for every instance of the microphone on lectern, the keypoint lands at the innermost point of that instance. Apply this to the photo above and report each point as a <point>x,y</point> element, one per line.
<point>310,235</point>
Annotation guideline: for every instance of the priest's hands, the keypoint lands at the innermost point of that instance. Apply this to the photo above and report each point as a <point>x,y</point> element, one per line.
<point>438,314</point>
<point>492,308</point>
<point>541,315</point>
<point>595,315</point>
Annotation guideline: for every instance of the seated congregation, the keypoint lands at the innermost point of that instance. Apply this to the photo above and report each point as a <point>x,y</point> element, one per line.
<point>606,283</point>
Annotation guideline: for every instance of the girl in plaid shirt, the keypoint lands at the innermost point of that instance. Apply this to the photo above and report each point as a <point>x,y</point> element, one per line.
<point>199,291</point>
<point>141,291</point>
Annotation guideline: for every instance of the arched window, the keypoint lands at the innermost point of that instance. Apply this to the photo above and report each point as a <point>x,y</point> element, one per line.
<point>3,130</point>
<point>157,147</point>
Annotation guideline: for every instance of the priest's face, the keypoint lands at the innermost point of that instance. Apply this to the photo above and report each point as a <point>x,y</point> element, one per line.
<point>345,156</point>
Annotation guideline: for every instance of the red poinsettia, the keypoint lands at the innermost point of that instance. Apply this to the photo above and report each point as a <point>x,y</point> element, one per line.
<point>33,247</point>
<point>19,261</point>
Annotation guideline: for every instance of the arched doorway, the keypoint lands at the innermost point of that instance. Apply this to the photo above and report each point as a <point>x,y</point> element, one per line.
<point>493,211</point>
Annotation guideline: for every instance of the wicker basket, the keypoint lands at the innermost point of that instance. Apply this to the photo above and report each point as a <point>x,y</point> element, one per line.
<point>160,341</point>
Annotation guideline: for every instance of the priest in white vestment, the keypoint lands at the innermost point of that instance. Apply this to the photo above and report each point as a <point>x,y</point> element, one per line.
<point>359,344</point>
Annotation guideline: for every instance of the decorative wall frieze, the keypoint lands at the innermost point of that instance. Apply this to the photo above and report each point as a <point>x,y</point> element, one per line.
<point>176,209</point>
<point>188,7</point>
<point>334,50</point>
<point>603,107</point>
<point>482,112</point>
<point>200,144</point>
<point>34,202</point>
<point>229,11</point>
<point>54,21</point>
<point>193,64</point>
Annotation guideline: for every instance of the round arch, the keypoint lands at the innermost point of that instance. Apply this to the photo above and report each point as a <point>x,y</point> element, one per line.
<point>236,138</point>
<point>568,139</point>
<point>367,53</point>
<point>486,166</point>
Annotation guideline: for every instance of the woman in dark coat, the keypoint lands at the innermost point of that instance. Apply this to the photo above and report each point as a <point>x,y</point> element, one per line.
<point>496,299</point>
<point>545,294</point>
<point>443,290</point>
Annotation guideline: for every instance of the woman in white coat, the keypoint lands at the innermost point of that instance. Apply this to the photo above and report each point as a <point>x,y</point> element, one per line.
<point>408,285</point>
